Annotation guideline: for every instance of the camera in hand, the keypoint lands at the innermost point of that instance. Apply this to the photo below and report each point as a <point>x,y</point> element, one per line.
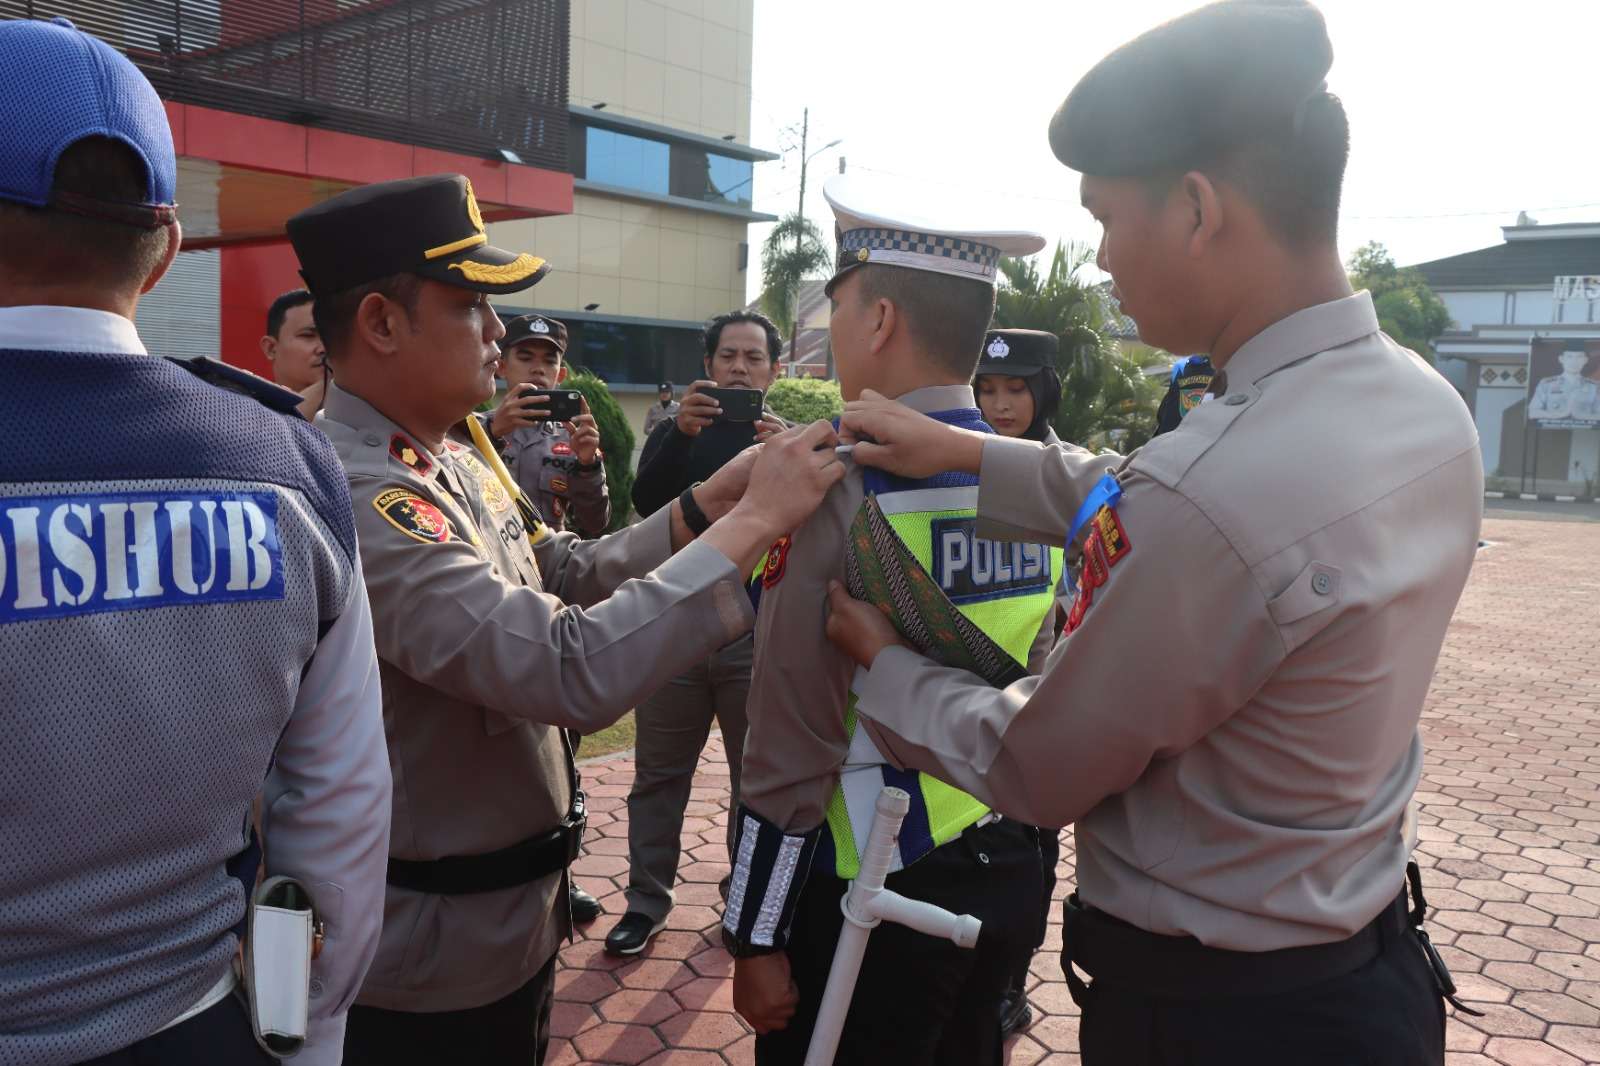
<point>565,404</point>
<point>738,405</point>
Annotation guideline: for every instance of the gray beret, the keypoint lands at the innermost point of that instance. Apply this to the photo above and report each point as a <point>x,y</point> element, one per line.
<point>1220,76</point>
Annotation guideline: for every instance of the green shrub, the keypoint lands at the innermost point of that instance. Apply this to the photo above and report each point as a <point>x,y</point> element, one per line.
<point>616,441</point>
<point>802,400</point>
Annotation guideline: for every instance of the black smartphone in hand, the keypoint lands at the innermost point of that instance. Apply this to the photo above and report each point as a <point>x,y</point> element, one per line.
<point>738,405</point>
<point>565,404</point>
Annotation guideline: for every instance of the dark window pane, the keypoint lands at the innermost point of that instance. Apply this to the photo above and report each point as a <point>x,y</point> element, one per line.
<point>626,354</point>
<point>701,175</point>
<point>623,160</point>
<point>731,180</point>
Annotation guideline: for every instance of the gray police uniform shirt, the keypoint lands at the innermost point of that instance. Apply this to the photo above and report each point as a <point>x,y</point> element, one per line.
<point>658,414</point>
<point>1232,724</point>
<point>185,628</point>
<point>488,649</point>
<point>568,494</point>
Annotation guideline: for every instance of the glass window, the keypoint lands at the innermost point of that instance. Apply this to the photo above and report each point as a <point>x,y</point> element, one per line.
<point>629,162</point>
<point>627,354</point>
<point>701,175</point>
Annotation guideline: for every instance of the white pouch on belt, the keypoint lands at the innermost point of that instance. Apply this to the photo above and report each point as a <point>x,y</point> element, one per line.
<point>278,949</point>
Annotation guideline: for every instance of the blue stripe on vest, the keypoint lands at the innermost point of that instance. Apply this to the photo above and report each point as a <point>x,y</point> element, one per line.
<point>878,481</point>
<point>916,835</point>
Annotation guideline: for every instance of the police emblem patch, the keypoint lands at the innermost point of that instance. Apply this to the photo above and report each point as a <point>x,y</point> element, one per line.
<point>539,326</point>
<point>413,516</point>
<point>561,447</point>
<point>777,559</point>
<point>411,455</point>
<point>998,348</point>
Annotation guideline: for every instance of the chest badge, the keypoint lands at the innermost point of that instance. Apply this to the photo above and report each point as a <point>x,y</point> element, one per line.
<point>413,516</point>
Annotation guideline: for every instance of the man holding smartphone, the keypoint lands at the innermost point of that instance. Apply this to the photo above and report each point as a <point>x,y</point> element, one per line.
<point>712,426</point>
<point>556,462</point>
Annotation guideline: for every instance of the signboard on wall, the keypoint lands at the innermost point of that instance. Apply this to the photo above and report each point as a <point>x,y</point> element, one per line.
<point>1564,383</point>
<point>1577,287</point>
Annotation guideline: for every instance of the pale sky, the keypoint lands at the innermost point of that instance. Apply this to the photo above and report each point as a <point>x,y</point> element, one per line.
<point>1462,113</point>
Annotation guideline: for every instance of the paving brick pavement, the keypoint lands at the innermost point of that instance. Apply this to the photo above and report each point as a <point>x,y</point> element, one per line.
<point>1509,826</point>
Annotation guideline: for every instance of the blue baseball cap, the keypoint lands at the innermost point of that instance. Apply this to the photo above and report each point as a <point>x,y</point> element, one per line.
<point>68,85</point>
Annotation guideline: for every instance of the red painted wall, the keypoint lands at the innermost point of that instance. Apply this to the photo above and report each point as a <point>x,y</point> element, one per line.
<point>253,276</point>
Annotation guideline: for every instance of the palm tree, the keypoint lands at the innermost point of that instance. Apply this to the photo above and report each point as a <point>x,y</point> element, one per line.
<point>793,251</point>
<point>1104,393</point>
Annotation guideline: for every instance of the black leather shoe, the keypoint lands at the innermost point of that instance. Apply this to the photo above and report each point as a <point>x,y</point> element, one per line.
<point>632,934</point>
<point>1015,1015</point>
<point>585,908</point>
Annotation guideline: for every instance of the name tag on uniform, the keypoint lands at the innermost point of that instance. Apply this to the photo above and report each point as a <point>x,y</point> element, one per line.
<point>93,552</point>
<point>970,568</point>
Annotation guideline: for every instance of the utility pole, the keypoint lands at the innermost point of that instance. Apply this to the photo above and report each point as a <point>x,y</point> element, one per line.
<point>794,318</point>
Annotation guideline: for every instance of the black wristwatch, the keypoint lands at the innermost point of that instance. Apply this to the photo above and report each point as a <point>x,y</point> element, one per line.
<point>693,517</point>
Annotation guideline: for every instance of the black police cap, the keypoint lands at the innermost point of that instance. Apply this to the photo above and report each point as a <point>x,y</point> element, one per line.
<point>1223,75</point>
<point>1017,353</point>
<point>535,328</point>
<point>427,226</point>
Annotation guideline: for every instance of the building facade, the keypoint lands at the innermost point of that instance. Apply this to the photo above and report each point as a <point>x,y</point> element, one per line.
<point>1511,304</point>
<point>609,137</point>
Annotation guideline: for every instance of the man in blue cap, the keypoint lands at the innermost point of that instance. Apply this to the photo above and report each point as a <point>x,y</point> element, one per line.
<point>185,623</point>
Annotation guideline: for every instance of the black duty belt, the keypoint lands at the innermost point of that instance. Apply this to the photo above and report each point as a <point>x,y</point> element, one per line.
<point>1180,967</point>
<point>532,859</point>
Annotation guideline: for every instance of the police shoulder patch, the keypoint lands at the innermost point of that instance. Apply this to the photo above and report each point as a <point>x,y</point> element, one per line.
<point>410,454</point>
<point>1113,538</point>
<point>413,516</point>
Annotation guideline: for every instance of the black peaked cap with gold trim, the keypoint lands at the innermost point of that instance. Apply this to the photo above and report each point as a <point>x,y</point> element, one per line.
<point>1220,76</point>
<point>426,226</point>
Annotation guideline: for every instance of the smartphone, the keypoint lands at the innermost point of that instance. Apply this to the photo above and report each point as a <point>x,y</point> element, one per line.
<point>738,405</point>
<point>565,404</point>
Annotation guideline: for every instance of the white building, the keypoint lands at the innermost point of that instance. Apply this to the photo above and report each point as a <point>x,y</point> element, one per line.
<point>1501,299</point>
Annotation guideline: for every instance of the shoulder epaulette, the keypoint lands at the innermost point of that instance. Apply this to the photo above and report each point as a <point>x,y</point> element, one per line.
<point>215,372</point>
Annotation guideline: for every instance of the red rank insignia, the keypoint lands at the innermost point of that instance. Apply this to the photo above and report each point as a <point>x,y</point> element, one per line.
<point>411,455</point>
<point>1080,605</point>
<point>1113,538</point>
<point>777,559</point>
<point>561,447</point>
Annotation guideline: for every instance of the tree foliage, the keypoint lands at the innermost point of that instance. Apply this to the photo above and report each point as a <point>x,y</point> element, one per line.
<point>1105,396</point>
<point>802,400</point>
<point>792,252</point>
<point>616,442</point>
<point>1408,309</point>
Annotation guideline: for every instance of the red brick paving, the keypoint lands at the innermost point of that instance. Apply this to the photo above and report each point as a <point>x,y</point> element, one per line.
<point>1509,822</point>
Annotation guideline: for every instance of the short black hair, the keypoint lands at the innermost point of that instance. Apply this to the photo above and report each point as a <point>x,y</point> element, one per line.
<point>335,314</point>
<point>946,314</point>
<point>282,305</point>
<point>47,244</point>
<point>1295,177</point>
<point>713,331</point>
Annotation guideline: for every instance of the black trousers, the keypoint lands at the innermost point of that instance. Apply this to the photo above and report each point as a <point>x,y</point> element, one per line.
<point>1385,1013</point>
<point>1049,855</point>
<point>218,1034</point>
<point>920,1000</point>
<point>514,1031</point>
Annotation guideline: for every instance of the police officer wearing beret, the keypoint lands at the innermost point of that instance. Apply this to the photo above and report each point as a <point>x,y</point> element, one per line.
<point>183,617</point>
<point>1230,721</point>
<point>484,664</point>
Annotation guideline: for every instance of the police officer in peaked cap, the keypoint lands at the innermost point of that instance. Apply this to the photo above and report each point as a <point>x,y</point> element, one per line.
<point>485,661</point>
<point>1230,721</point>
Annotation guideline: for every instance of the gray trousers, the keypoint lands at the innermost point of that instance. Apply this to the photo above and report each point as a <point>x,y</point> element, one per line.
<point>672,726</point>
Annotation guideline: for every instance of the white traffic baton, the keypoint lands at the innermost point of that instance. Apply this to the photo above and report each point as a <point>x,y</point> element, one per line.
<point>865,905</point>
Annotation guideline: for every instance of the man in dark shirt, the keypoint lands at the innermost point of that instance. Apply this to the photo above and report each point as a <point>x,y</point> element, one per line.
<point>741,353</point>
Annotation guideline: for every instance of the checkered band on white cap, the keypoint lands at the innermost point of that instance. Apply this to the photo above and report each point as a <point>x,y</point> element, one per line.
<point>919,251</point>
